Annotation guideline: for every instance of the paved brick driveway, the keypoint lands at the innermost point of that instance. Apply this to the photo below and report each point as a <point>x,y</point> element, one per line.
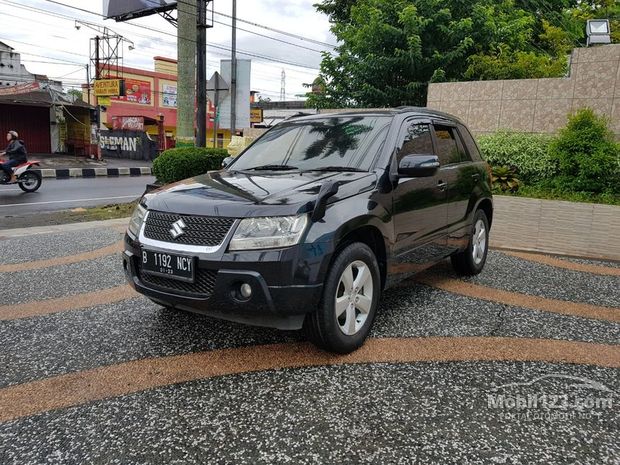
<point>518,365</point>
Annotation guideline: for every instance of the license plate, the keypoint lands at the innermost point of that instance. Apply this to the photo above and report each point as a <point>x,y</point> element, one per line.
<point>169,265</point>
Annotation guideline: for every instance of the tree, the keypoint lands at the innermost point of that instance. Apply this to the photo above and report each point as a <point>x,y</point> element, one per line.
<point>75,94</point>
<point>389,50</point>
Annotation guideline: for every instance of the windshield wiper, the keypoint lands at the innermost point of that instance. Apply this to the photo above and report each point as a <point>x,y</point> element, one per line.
<point>272,167</point>
<point>338,168</point>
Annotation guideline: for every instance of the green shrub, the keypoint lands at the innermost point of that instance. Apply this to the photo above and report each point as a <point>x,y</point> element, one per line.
<point>505,179</point>
<point>587,155</point>
<point>185,162</point>
<point>528,153</point>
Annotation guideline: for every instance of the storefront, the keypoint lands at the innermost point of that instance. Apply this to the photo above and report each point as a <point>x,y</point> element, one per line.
<point>150,95</point>
<point>45,119</point>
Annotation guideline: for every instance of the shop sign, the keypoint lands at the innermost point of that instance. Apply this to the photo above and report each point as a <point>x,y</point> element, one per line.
<point>20,89</point>
<point>137,91</point>
<point>108,87</point>
<point>169,93</point>
<point>131,123</point>
<point>256,115</point>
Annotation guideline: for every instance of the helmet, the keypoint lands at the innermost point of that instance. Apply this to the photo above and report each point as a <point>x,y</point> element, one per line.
<point>13,134</point>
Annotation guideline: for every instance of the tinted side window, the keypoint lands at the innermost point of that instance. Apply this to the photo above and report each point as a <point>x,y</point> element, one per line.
<point>417,140</point>
<point>449,150</point>
<point>472,148</point>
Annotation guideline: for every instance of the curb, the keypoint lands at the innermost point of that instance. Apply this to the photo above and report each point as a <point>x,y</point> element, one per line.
<point>66,173</point>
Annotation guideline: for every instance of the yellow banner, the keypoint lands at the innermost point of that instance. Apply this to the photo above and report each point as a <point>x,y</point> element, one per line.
<point>105,101</point>
<point>256,115</point>
<point>107,87</point>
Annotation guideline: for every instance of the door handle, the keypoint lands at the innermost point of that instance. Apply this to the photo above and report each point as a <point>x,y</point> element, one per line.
<point>442,185</point>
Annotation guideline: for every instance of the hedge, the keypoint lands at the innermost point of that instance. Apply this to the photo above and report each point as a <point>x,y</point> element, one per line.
<point>185,162</point>
<point>528,153</point>
<point>587,155</point>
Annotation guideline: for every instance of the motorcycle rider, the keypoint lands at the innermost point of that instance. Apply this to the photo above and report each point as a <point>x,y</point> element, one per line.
<point>16,151</point>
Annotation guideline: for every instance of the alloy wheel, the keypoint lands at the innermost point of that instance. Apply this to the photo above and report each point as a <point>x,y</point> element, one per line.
<point>354,297</point>
<point>479,242</point>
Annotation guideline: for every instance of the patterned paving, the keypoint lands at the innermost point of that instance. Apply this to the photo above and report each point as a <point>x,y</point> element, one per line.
<point>519,365</point>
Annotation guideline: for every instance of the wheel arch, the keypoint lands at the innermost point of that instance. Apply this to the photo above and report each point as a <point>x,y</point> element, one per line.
<point>372,237</point>
<point>486,205</point>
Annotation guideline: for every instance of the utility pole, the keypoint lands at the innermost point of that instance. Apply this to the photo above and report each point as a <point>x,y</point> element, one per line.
<point>88,84</point>
<point>97,107</point>
<point>186,53</point>
<point>233,71</point>
<point>201,74</point>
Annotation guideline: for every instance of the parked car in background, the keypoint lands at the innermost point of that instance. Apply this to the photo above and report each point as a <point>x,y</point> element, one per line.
<point>314,220</point>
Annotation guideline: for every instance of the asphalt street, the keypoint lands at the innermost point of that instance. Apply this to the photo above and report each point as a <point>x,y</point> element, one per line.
<point>63,194</point>
<point>519,365</point>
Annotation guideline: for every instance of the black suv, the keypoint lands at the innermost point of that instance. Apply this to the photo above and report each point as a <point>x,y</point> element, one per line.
<point>312,221</point>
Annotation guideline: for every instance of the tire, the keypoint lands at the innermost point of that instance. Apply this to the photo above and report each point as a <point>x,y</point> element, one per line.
<point>347,331</point>
<point>30,181</point>
<point>471,261</point>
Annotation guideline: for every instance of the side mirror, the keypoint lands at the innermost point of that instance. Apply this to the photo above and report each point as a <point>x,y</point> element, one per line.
<point>227,161</point>
<point>418,166</point>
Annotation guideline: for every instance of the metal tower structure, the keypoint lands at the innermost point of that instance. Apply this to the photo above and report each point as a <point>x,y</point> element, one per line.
<point>283,87</point>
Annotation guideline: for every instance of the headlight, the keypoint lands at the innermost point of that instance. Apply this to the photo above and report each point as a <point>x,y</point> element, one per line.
<point>268,233</point>
<point>137,218</point>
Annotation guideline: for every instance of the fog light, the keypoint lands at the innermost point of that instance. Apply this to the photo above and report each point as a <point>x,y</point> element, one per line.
<point>245,290</point>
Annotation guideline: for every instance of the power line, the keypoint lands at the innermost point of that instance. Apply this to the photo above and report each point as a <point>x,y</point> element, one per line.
<point>278,31</point>
<point>268,37</point>
<point>290,34</point>
<point>243,52</point>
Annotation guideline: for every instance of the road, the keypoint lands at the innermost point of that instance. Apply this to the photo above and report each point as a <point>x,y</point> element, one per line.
<point>65,194</point>
<point>516,365</point>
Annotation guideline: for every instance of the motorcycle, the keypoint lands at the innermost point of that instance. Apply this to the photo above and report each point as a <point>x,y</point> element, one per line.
<point>27,179</point>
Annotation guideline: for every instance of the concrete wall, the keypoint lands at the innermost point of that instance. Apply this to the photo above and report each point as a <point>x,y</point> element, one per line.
<point>537,105</point>
<point>552,226</point>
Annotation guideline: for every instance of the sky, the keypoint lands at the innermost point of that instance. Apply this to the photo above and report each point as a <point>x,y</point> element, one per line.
<point>44,33</point>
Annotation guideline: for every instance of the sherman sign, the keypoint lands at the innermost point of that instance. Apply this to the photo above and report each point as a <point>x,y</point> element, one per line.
<point>134,145</point>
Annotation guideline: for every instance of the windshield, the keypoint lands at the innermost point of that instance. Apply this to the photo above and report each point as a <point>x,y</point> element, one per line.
<point>329,143</point>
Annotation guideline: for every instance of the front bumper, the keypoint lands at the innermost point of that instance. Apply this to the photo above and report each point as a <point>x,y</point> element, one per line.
<point>275,301</point>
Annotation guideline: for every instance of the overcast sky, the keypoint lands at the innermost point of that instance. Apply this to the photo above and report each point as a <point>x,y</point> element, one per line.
<point>41,36</point>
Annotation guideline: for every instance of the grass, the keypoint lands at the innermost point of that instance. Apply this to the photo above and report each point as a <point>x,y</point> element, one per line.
<point>107,212</point>
<point>77,215</point>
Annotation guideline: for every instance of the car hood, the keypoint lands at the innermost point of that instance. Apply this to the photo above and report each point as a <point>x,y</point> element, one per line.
<point>244,194</point>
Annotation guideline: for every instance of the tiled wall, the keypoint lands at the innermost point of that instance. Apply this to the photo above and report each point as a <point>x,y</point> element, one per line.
<point>537,105</point>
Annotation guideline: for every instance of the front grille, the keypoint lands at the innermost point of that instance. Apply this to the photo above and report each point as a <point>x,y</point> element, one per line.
<point>200,230</point>
<point>201,287</point>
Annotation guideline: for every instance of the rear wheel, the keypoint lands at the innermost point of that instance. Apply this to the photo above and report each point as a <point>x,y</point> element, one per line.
<point>349,303</point>
<point>29,181</point>
<point>471,261</point>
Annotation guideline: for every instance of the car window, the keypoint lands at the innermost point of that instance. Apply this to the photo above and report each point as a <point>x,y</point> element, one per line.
<point>348,141</point>
<point>470,144</point>
<point>416,140</point>
<point>449,149</point>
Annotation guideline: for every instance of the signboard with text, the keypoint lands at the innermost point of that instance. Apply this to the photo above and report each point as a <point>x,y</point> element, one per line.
<point>169,95</point>
<point>128,123</point>
<point>108,87</point>
<point>256,115</point>
<point>20,89</point>
<point>137,91</point>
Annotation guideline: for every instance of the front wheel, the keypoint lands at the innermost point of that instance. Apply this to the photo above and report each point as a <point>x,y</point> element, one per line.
<point>471,261</point>
<point>349,303</point>
<point>30,181</point>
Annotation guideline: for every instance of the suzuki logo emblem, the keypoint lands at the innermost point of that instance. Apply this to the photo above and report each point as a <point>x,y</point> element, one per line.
<point>177,228</point>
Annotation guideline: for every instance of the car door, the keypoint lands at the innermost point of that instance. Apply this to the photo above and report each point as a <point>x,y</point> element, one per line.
<point>461,175</point>
<point>419,204</point>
